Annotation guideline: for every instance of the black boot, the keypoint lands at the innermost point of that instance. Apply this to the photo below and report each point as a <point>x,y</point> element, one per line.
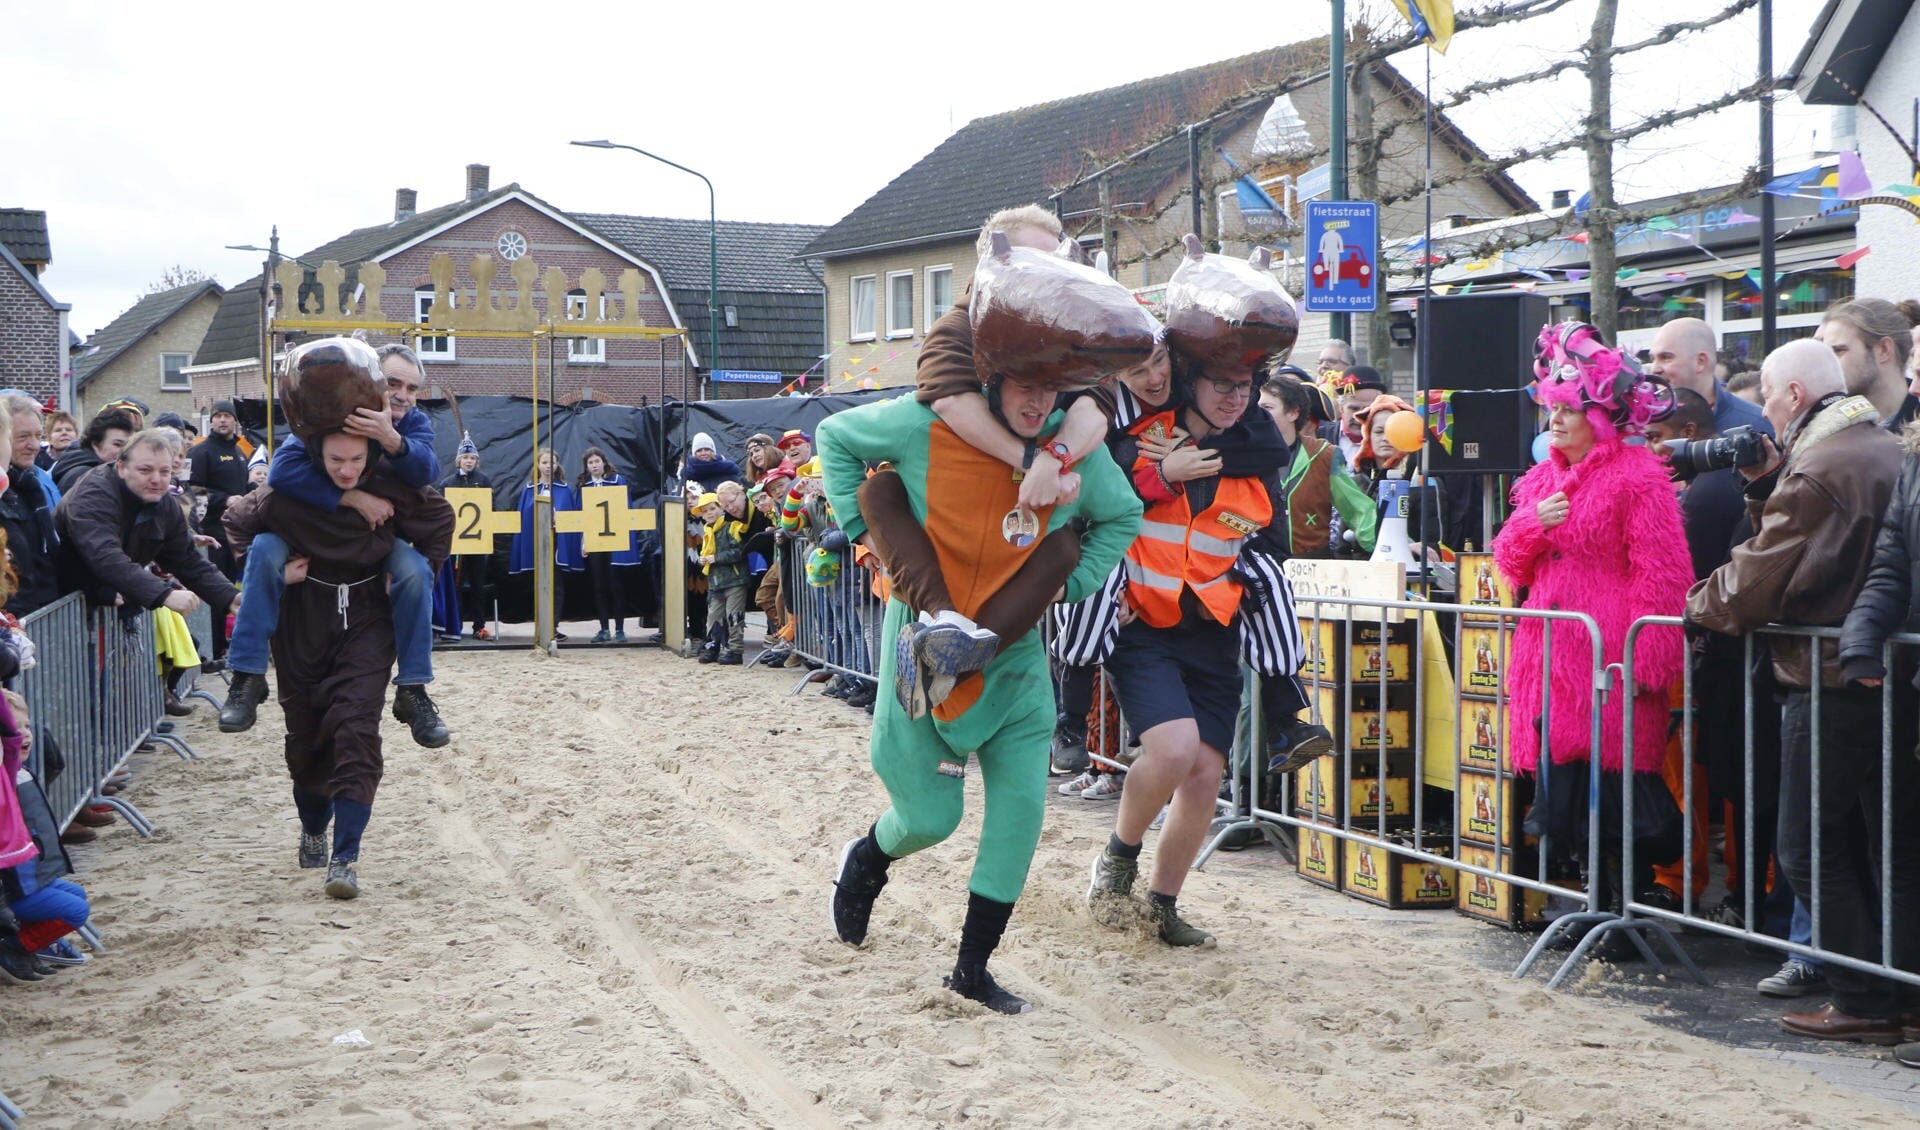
<point>244,697</point>
<point>863,872</point>
<point>412,706</point>
<point>986,922</point>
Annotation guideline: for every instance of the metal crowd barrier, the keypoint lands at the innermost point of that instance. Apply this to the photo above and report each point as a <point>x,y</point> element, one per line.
<point>1896,698</point>
<point>836,626</point>
<point>200,627</point>
<point>1416,841</point>
<point>94,691</point>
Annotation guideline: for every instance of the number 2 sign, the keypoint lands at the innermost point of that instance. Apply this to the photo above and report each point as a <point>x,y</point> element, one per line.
<point>476,522</point>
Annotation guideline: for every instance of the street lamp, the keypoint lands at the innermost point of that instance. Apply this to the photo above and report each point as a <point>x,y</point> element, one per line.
<point>713,248</point>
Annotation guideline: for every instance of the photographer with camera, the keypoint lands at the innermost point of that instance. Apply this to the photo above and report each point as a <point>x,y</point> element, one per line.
<point>1818,508</point>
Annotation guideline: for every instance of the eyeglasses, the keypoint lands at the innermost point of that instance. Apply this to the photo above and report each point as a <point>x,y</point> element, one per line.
<point>1230,388</point>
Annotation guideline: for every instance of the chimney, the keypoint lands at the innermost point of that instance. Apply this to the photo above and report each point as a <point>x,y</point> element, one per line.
<point>476,181</point>
<point>404,200</point>
<point>1562,198</point>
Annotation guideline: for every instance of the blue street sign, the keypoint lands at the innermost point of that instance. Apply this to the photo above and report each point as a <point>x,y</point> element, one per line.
<point>1316,181</point>
<point>748,377</point>
<point>1343,251</point>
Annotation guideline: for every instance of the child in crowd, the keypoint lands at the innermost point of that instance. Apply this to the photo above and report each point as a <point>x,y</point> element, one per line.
<point>723,557</point>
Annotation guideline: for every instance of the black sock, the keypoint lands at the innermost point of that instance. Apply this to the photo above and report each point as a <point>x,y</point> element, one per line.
<point>1158,900</point>
<point>986,921</point>
<point>868,854</point>
<point>1121,848</point>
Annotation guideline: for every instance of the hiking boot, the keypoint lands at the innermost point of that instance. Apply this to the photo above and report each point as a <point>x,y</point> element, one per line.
<point>794,659</point>
<point>731,659</point>
<point>1177,931</point>
<point>1069,753</point>
<point>412,706</point>
<point>313,851</point>
<point>1112,878</point>
<point>976,984</point>
<point>244,696</point>
<point>854,890</point>
<point>1797,978</point>
<point>863,695</point>
<point>1295,745</point>
<point>16,964</point>
<point>952,646</point>
<point>342,883</point>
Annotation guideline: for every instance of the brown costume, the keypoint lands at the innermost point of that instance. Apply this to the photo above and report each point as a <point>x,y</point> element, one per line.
<point>334,645</point>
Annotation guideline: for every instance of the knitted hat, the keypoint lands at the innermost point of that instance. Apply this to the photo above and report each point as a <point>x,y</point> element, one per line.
<point>220,406</point>
<point>702,442</point>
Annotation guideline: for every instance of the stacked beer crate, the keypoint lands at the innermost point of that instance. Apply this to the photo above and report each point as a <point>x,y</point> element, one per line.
<point>1359,681</point>
<point>1490,801</point>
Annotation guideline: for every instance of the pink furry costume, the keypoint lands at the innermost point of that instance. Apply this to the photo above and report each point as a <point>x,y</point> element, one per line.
<point>1621,554</point>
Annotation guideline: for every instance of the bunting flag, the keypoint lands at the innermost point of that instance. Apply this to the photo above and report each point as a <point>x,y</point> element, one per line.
<point>1625,273</point>
<point>1575,274</point>
<point>1432,21</point>
<point>1443,289</point>
<point>1578,237</point>
<point>1741,216</point>
<point>1537,274</point>
<point>1257,209</point>
<point>1676,276</point>
<point>1850,258</point>
<point>1791,183</point>
<point>1528,287</point>
<point>1672,304</point>
<point>1439,415</point>
<point>1852,180</point>
<point>1803,293</point>
<point>1467,289</point>
<point>1662,223</point>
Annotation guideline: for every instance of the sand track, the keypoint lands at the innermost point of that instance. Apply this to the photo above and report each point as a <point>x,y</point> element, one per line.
<point>607,901</point>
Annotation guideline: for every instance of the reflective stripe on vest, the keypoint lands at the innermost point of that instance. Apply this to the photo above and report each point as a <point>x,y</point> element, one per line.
<point>1177,550</point>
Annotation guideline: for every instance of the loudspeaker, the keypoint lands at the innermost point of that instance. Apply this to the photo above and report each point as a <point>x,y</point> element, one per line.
<point>1493,432</point>
<point>1482,340</point>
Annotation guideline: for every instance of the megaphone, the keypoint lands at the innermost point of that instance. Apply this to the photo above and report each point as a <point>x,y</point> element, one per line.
<point>1392,540</point>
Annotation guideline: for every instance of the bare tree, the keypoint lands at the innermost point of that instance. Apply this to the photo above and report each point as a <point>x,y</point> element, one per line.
<point>176,276</point>
<point>1602,256</point>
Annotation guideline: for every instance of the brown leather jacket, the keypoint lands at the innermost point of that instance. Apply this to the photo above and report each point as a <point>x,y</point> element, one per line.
<point>1816,520</point>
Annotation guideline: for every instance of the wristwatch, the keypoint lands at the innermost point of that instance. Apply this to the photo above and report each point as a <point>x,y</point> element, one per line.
<point>1059,451</point>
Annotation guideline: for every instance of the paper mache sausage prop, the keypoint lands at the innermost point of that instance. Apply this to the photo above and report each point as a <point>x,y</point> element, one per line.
<point>1039,319</point>
<point>1228,314</point>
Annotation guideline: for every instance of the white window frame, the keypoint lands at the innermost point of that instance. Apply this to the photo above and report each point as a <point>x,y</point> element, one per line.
<point>585,350</point>
<point>180,382</point>
<point>898,326</point>
<point>854,330</point>
<point>935,311</point>
<point>436,347</point>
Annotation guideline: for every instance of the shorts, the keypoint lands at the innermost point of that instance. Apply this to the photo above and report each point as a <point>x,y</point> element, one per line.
<point>1191,670</point>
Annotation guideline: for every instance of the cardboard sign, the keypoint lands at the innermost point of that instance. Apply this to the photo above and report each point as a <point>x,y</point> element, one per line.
<point>475,522</point>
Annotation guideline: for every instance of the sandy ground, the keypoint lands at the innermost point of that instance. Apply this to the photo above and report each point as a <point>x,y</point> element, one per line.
<point>608,899</point>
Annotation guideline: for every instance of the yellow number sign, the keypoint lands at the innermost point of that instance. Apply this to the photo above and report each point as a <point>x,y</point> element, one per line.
<point>604,521</point>
<point>476,522</point>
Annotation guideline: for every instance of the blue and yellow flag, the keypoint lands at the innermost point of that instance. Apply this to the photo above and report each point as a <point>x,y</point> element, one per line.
<point>1432,20</point>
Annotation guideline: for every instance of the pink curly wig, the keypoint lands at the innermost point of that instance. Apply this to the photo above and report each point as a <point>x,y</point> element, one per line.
<point>1577,370</point>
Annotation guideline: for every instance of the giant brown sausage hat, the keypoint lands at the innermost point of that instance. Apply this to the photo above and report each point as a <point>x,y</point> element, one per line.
<point>325,381</point>
<point>1223,313</point>
<point>1044,321</point>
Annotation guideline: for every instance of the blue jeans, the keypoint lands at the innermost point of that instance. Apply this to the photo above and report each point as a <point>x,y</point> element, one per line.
<point>1802,932</point>
<point>264,582</point>
<point>61,900</point>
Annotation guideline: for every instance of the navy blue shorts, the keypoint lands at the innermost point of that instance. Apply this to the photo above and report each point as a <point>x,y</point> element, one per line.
<point>1191,670</point>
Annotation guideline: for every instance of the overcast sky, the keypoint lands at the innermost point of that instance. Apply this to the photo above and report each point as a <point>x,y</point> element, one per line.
<point>154,134</point>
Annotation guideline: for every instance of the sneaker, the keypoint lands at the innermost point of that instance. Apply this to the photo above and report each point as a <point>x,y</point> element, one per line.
<point>854,890</point>
<point>620,636</point>
<point>1069,753</point>
<point>774,657</point>
<point>559,637</point>
<point>1111,879</point>
<point>61,954</point>
<point>1297,744</point>
<point>976,984</point>
<point>602,636</point>
<point>1106,787</point>
<point>863,695</point>
<point>1727,913</point>
<point>1797,978</point>
<point>482,634</point>
<point>244,697</point>
<point>412,706</point>
<point>1177,931</point>
<point>341,881</point>
<point>1079,784</point>
<point>794,660</point>
<point>909,689</point>
<point>952,646</point>
<point>313,851</point>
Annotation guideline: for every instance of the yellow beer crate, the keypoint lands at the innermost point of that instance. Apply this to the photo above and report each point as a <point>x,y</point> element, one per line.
<point>1484,742</point>
<point>1374,649</point>
<point>1317,856</point>
<point>1374,874</point>
<point>1485,652</point>
<point>1482,586</point>
<point>1319,791</point>
<point>1490,809</point>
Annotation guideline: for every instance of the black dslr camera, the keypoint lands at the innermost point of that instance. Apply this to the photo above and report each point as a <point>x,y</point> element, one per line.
<point>1735,447</point>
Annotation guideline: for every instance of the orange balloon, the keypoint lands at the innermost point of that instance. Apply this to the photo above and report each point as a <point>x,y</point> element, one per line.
<point>1406,431</point>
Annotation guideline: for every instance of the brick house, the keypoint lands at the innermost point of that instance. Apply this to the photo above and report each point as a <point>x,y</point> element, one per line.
<point>506,224</point>
<point>33,325</point>
<point>145,351</point>
<point>895,263</point>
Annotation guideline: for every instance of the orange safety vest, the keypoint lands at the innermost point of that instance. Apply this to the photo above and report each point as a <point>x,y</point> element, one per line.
<point>1177,550</point>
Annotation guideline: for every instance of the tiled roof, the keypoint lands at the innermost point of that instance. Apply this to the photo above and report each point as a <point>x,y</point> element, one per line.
<point>24,232</point>
<point>139,320</point>
<point>751,256</point>
<point>1023,156</point>
<point>780,331</point>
